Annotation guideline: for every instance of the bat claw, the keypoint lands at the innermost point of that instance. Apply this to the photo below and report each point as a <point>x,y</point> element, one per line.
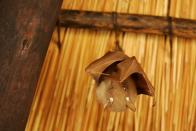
<point>130,105</point>
<point>132,108</point>
<point>105,106</point>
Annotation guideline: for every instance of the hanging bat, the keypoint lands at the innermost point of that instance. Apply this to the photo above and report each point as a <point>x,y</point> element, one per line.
<point>119,80</point>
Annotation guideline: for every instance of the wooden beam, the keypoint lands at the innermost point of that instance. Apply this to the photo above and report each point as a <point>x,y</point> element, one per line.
<point>26,27</point>
<point>129,23</point>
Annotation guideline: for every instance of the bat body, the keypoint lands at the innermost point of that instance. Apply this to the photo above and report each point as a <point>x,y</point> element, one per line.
<point>119,80</point>
<point>115,95</point>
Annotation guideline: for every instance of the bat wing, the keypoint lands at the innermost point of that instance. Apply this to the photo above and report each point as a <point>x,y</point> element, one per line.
<point>96,68</point>
<point>131,68</point>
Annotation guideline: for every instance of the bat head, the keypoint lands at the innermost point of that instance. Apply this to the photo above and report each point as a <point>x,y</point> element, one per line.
<point>116,96</point>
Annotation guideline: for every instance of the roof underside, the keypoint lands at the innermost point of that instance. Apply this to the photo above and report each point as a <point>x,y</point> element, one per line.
<point>65,97</point>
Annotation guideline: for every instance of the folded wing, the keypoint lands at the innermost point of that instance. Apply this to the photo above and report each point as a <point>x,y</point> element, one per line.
<point>131,68</point>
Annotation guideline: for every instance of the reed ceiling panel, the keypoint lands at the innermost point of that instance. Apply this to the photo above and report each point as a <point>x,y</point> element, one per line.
<point>65,98</point>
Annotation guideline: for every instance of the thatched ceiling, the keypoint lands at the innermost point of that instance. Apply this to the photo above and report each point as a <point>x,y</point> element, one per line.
<point>65,98</point>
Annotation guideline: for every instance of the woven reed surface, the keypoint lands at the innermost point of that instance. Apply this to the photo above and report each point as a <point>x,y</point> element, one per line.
<point>65,97</point>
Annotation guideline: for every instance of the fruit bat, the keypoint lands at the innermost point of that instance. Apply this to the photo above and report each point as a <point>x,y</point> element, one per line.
<point>119,80</point>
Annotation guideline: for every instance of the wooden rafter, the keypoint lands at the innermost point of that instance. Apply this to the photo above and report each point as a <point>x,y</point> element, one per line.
<point>129,22</point>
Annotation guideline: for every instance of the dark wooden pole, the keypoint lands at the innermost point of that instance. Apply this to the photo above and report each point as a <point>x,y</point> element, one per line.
<point>26,27</point>
<point>129,22</point>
